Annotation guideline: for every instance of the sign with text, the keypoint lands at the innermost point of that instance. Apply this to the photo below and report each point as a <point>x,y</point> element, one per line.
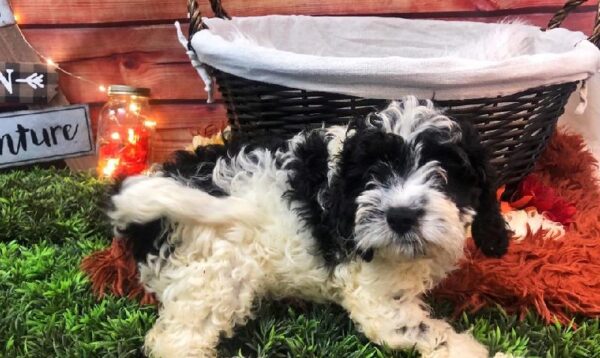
<point>6,16</point>
<point>37,136</point>
<point>27,83</point>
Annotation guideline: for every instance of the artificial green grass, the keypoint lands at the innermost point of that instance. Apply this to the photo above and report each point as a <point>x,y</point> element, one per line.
<point>51,219</point>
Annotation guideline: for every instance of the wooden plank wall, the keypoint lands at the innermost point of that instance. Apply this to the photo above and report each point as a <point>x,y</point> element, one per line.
<point>133,42</point>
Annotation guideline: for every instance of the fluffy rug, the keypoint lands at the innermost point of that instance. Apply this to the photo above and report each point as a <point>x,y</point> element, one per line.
<point>556,276</point>
<point>556,273</point>
<point>114,270</point>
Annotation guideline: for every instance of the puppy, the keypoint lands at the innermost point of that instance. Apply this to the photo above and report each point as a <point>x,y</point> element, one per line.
<point>369,215</point>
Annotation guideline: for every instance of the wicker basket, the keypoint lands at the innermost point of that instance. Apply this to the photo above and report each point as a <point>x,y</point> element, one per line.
<point>515,128</point>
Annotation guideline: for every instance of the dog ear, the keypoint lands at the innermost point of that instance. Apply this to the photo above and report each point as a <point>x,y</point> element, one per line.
<point>489,230</point>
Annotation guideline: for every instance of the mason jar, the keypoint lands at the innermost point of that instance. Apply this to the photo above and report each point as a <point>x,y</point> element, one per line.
<point>125,130</point>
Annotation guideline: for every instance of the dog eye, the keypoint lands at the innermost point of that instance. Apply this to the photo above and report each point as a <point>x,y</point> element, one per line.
<point>420,202</point>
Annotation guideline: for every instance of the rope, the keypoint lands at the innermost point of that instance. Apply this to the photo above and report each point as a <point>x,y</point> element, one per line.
<point>562,14</point>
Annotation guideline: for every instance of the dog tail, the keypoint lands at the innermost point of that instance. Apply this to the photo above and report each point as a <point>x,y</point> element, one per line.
<point>144,199</point>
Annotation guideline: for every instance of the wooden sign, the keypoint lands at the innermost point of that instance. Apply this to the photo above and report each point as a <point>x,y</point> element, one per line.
<point>37,136</point>
<point>6,16</point>
<point>27,83</point>
<point>14,49</point>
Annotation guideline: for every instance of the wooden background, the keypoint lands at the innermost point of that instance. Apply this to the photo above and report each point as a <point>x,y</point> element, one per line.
<point>133,42</point>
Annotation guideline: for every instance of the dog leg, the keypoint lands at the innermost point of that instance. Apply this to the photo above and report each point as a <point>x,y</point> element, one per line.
<point>143,199</point>
<point>205,300</point>
<point>404,325</point>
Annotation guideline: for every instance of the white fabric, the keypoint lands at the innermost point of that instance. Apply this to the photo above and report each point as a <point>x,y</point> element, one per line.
<point>522,222</point>
<point>588,123</point>
<point>200,68</point>
<point>388,58</point>
<point>6,16</point>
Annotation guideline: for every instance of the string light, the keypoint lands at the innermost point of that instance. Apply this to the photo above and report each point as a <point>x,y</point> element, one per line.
<point>150,123</point>
<point>111,166</point>
<point>131,136</point>
<point>125,152</point>
<point>50,62</point>
<point>134,107</point>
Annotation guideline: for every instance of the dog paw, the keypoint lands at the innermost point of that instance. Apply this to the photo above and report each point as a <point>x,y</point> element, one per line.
<point>456,345</point>
<point>429,337</point>
<point>464,345</point>
<point>166,343</point>
<point>505,355</point>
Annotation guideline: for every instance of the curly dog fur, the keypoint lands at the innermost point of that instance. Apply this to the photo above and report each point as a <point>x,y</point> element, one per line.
<point>369,215</point>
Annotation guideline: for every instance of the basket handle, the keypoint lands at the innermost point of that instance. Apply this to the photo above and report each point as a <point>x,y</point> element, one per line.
<point>562,14</point>
<point>196,23</point>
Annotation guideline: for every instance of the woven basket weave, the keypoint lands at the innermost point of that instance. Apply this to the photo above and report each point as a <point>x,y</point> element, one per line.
<point>514,128</point>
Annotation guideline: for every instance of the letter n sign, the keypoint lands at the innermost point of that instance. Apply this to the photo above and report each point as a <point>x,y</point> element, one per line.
<point>27,83</point>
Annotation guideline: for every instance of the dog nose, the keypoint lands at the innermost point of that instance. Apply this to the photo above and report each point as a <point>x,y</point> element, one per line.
<point>402,219</point>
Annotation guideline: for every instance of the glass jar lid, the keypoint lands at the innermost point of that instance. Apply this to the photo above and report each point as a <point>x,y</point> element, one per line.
<point>128,90</point>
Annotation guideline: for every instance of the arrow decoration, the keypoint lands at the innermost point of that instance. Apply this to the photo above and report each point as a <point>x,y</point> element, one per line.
<point>27,83</point>
<point>35,81</point>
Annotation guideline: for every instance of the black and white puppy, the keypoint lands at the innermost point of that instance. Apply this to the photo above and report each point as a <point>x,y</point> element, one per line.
<point>369,215</point>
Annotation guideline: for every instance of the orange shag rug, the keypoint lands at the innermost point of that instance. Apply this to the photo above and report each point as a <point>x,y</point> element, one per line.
<point>555,277</point>
<point>558,278</point>
<point>114,270</point>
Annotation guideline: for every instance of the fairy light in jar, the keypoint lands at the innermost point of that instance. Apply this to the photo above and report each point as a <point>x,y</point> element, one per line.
<point>125,129</point>
<point>150,123</point>
<point>134,107</point>
<point>132,136</point>
<point>110,167</point>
